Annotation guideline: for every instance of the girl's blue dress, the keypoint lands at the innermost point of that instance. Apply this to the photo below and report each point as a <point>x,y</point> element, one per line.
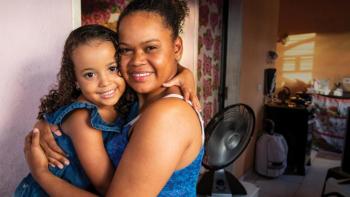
<point>74,173</point>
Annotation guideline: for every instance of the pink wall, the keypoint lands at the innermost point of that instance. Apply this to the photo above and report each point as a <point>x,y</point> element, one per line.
<point>32,37</point>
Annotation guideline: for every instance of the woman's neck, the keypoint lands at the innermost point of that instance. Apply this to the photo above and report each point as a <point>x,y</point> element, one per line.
<point>147,99</point>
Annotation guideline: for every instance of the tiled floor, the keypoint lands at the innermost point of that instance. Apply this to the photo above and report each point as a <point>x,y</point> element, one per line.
<point>309,185</point>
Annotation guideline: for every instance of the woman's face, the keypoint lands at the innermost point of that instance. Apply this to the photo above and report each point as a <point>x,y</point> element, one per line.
<point>97,73</point>
<point>148,52</point>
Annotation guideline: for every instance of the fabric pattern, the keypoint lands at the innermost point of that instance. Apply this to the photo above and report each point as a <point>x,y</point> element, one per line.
<point>329,126</point>
<point>209,56</point>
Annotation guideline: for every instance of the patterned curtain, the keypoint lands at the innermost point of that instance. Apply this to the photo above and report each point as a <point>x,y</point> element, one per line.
<point>209,55</point>
<point>103,12</point>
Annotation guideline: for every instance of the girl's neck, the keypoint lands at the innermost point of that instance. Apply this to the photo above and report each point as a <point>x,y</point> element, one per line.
<point>107,113</point>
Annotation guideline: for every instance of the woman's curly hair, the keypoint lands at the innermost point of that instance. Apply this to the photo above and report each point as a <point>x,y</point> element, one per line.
<point>66,92</point>
<point>173,12</point>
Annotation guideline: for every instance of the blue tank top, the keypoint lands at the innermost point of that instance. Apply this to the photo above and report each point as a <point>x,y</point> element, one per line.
<point>182,182</point>
<point>74,172</point>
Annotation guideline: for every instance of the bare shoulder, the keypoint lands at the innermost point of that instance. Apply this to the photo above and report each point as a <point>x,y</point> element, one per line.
<point>172,114</point>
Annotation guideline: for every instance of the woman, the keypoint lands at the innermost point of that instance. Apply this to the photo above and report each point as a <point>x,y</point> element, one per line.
<point>164,152</point>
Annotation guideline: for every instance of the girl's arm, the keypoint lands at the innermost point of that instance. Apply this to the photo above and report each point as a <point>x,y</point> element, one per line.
<point>38,163</point>
<point>89,147</point>
<point>185,80</point>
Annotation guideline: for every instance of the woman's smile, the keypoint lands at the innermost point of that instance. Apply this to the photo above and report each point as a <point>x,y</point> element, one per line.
<point>141,76</point>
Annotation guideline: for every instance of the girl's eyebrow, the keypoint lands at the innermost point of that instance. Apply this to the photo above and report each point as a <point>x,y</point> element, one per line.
<point>111,63</point>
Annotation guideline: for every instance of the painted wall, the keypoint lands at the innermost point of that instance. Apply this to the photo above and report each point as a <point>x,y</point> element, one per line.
<point>307,16</point>
<point>32,38</point>
<point>330,61</point>
<point>259,35</point>
<point>329,20</point>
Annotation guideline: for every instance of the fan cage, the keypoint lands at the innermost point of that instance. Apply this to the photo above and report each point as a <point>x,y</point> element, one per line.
<point>222,116</point>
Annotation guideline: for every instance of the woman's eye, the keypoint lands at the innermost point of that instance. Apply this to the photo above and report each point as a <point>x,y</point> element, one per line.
<point>89,75</point>
<point>150,48</point>
<point>123,51</point>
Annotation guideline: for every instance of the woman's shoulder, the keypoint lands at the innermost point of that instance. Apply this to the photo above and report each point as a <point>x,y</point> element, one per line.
<point>172,113</point>
<point>172,105</point>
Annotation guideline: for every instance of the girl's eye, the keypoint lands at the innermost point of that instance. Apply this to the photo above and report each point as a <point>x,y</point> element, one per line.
<point>114,68</point>
<point>89,75</point>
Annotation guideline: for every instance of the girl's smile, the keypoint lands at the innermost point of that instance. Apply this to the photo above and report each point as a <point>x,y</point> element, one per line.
<point>97,73</point>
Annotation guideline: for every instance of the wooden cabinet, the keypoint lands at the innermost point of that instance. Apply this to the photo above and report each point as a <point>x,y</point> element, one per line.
<point>292,123</point>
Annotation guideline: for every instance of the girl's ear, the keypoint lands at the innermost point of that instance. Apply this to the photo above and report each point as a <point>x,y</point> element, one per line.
<point>178,48</point>
<point>77,85</point>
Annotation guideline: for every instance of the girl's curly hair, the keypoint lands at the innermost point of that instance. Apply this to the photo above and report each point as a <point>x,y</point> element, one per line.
<point>66,92</point>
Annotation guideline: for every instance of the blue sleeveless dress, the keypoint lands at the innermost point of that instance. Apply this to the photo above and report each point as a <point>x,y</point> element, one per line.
<point>183,182</point>
<point>74,173</point>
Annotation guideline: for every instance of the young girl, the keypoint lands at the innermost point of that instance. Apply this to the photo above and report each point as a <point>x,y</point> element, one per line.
<point>89,87</point>
<point>164,152</point>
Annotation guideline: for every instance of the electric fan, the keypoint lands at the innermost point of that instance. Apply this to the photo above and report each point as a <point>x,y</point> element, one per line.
<point>227,135</point>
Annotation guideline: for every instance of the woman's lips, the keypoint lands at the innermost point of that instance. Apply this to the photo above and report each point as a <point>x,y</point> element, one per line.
<point>140,76</point>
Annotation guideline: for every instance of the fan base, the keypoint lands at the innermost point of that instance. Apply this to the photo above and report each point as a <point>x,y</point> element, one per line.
<point>220,183</point>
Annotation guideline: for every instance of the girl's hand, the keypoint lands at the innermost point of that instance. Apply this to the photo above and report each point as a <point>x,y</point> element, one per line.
<point>55,155</point>
<point>34,154</point>
<point>185,80</point>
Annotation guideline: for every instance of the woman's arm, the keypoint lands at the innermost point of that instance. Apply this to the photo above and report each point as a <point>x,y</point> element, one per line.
<point>158,146</point>
<point>143,169</point>
<point>38,165</point>
<point>53,152</point>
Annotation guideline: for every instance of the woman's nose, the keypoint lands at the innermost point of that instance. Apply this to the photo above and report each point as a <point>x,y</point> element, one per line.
<point>138,58</point>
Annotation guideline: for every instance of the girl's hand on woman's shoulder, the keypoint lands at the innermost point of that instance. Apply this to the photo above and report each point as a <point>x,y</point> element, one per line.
<point>185,80</point>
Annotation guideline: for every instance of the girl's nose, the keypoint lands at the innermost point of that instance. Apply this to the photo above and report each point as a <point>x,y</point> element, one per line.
<point>104,80</point>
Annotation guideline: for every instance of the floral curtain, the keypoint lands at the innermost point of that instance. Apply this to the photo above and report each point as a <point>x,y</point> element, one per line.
<point>209,55</point>
<point>103,12</point>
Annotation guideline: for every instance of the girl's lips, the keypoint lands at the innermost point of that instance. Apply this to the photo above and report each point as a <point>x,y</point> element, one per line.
<point>140,76</point>
<point>108,94</point>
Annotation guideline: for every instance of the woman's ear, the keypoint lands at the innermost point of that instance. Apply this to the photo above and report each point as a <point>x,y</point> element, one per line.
<point>178,48</point>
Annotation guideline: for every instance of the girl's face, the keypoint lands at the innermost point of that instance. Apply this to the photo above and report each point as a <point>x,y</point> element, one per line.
<point>148,52</point>
<point>97,73</point>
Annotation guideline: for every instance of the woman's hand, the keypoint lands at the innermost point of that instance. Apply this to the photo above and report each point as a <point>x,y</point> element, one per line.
<point>185,80</point>
<point>34,154</point>
<point>53,152</point>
